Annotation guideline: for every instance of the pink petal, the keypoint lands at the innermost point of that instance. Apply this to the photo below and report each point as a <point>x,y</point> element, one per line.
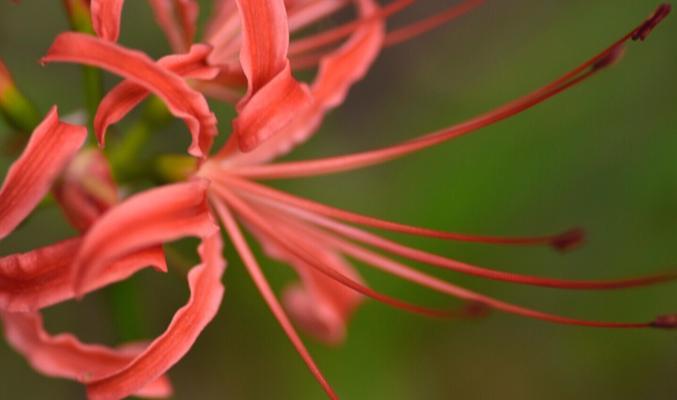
<point>51,146</point>
<point>271,110</point>
<point>147,219</point>
<point>342,68</point>
<point>188,322</point>
<point>106,18</point>
<point>86,189</point>
<point>181,99</point>
<point>272,92</point>
<point>65,356</point>
<point>179,33</point>
<point>303,13</point>
<point>223,33</point>
<point>338,72</point>
<point>128,94</point>
<point>43,277</point>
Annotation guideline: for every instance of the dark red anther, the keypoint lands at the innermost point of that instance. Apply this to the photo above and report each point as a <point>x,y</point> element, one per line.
<point>645,29</point>
<point>568,240</point>
<point>665,322</point>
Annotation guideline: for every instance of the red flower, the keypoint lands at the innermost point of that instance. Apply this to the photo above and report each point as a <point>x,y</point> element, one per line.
<point>276,113</point>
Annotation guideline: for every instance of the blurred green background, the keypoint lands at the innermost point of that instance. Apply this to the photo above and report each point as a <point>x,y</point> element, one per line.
<point>601,156</point>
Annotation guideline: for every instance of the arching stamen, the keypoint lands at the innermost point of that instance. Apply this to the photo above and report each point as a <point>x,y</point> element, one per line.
<point>310,60</point>
<point>337,164</point>
<point>266,292</point>
<point>563,241</point>
<point>407,273</point>
<point>296,248</point>
<point>426,25</point>
<point>458,266</point>
<point>337,33</point>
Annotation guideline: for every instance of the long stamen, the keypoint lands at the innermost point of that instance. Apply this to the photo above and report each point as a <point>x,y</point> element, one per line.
<point>397,36</point>
<point>266,292</point>
<point>292,227</point>
<point>335,34</point>
<point>562,241</point>
<point>392,38</point>
<point>309,13</point>
<point>458,266</point>
<point>296,248</point>
<point>426,25</point>
<point>410,274</point>
<point>407,273</point>
<point>336,164</point>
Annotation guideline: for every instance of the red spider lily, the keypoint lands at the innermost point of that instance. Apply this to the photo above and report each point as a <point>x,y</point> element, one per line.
<point>312,237</point>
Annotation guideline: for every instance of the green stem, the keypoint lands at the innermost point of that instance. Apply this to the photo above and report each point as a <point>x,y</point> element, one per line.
<point>125,155</point>
<point>19,112</point>
<point>93,85</point>
<point>127,313</point>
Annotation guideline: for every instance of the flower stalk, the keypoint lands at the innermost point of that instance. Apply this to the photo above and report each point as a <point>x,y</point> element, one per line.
<point>79,18</point>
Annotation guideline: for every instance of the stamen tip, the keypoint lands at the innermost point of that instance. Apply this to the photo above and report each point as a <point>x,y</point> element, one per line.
<point>568,240</point>
<point>645,29</point>
<point>668,321</point>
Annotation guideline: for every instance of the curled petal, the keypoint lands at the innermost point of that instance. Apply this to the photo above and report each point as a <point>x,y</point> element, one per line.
<point>64,356</point>
<point>52,144</point>
<point>272,92</point>
<point>206,292</point>
<point>86,189</point>
<point>43,277</point>
<point>271,110</point>
<point>223,32</point>
<point>338,72</point>
<point>183,101</point>
<point>106,18</point>
<point>342,68</point>
<point>128,94</point>
<point>265,41</point>
<point>146,219</point>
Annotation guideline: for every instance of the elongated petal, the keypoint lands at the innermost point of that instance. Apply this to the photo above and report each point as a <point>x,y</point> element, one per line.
<point>338,72</point>
<point>178,20</point>
<point>65,356</point>
<point>206,292</point>
<point>43,277</point>
<point>223,32</point>
<point>181,99</point>
<point>265,41</point>
<point>272,92</point>
<point>271,110</point>
<point>342,68</point>
<point>128,94</point>
<point>106,18</point>
<point>52,145</point>
<point>146,219</point>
